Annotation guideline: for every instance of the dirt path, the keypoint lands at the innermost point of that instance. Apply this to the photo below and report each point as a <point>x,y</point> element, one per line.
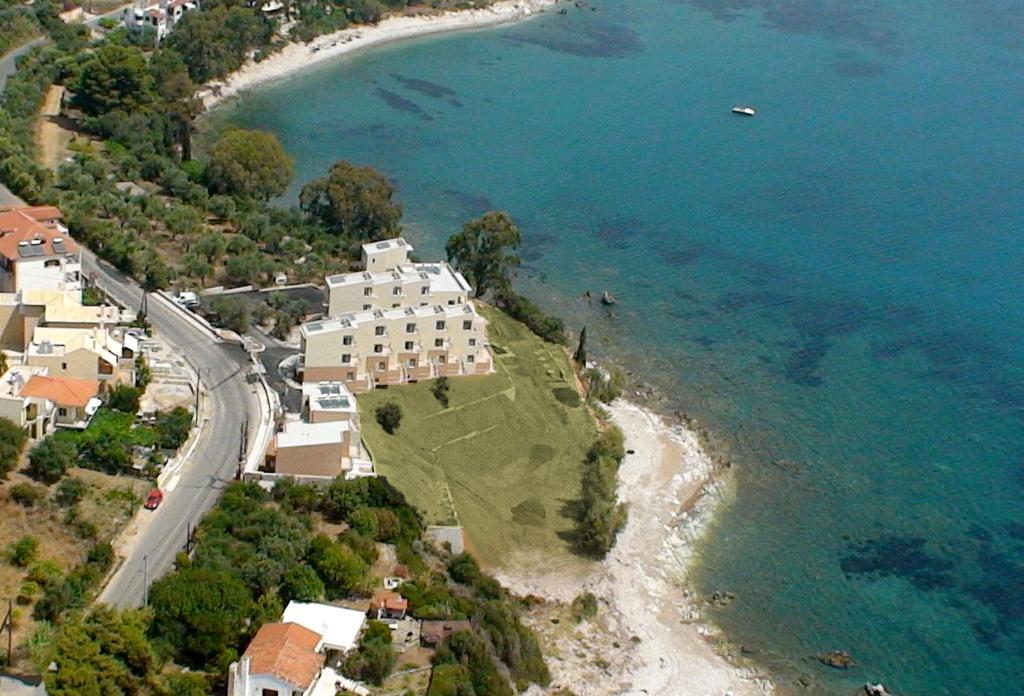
<point>52,139</point>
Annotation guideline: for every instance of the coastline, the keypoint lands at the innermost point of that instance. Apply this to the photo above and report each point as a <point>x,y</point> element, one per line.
<point>647,636</point>
<point>296,57</point>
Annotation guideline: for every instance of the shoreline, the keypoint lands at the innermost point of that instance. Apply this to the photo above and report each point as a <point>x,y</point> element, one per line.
<point>648,636</point>
<point>296,57</point>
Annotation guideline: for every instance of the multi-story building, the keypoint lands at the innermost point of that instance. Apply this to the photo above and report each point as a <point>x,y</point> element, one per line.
<point>35,251</point>
<point>393,346</point>
<point>101,354</point>
<point>160,18</point>
<point>390,281</point>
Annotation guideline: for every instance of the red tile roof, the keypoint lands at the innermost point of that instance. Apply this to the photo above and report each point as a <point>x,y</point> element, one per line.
<point>287,651</point>
<point>62,391</point>
<point>27,224</point>
<point>392,601</point>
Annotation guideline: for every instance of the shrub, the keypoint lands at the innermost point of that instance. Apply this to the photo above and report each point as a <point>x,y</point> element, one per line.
<point>601,516</point>
<point>172,427</point>
<point>23,551</point>
<point>440,391</point>
<point>12,442</point>
<point>69,492</point>
<point>605,386</point>
<point>26,495</point>
<point>125,399</point>
<point>389,416</point>
<point>584,607</point>
<point>375,657</point>
<point>50,459</point>
<point>550,328</point>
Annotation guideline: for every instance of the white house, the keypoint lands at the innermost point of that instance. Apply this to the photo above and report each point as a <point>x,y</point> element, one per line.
<point>161,18</point>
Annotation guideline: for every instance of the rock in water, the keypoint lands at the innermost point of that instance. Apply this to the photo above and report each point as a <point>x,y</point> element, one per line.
<point>840,659</point>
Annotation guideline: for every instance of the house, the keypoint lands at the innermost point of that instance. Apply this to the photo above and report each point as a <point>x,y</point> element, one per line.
<point>34,414</point>
<point>338,627</point>
<point>389,281</point>
<point>77,400</point>
<point>35,251</point>
<point>281,660</point>
<point>58,308</point>
<point>388,605</point>
<point>313,450</point>
<point>160,18</point>
<point>100,354</point>
<point>433,633</point>
<point>328,401</point>
<point>394,346</point>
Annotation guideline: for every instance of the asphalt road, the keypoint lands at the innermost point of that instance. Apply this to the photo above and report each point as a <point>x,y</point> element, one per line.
<point>195,489</point>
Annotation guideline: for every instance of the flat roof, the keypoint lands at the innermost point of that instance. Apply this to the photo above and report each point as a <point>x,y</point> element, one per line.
<point>339,627</point>
<point>386,245</point>
<point>329,396</point>
<point>352,320</point>
<point>302,434</point>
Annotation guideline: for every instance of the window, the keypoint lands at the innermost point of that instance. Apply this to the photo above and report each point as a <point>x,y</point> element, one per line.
<point>378,348</point>
<point>472,341</point>
<point>451,302</point>
<point>438,342</point>
<point>408,345</point>
<point>396,291</point>
<point>440,326</point>
<point>62,412</point>
<point>346,340</point>
<point>382,366</point>
<point>366,307</point>
<point>63,366</point>
<point>410,328</point>
<point>367,292</point>
<point>346,358</point>
<point>350,376</point>
<point>412,362</point>
<point>440,360</point>
<point>467,325</point>
<point>424,290</point>
<point>269,692</point>
<point>378,331</point>
<point>470,358</point>
<point>394,305</point>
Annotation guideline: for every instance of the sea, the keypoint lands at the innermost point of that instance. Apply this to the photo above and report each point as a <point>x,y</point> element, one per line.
<point>834,287</point>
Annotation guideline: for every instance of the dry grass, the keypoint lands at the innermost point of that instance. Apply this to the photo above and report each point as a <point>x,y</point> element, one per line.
<point>504,458</point>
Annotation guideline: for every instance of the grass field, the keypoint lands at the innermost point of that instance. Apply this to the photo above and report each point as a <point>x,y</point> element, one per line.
<point>506,455</point>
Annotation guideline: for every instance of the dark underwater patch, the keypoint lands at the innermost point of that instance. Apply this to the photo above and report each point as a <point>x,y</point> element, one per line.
<point>617,234</point>
<point>430,89</point>
<point>850,68</point>
<point>472,203</point>
<point>594,40</point>
<point>400,103</point>
<point>906,557</point>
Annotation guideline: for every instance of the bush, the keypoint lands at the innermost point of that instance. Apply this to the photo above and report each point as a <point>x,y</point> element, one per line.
<point>601,516</point>
<point>550,328</point>
<point>26,495</point>
<point>389,416</point>
<point>375,657</point>
<point>440,391</point>
<point>12,442</point>
<point>302,584</point>
<point>50,459</point>
<point>172,427</point>
<point>605,386</point>
<point>23,551</point>
<point>584,607</point>
<point>69,492</point>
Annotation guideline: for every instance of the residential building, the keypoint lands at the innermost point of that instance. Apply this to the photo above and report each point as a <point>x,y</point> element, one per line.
<point>309,451</point>
<point>389,281</point>
<point>64,309</point>
<point>281,660</point>
<point>35,251</point>
<point>324,402</point>
<point>393,346</point>
<point>35,414</point>
<point>160,18</point>
<point>76,400</point>
<point>338,627</point>
<point>387,604</point>
<point>101,354</point>
<point>17,322</point>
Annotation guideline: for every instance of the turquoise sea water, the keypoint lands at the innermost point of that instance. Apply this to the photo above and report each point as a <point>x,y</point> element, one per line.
<point>836,286</point>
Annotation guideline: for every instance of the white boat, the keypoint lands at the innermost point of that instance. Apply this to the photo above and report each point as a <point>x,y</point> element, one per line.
<point>744,110</point>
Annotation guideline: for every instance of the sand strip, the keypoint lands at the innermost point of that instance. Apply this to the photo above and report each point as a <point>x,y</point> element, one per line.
<point>298,56</point>
<point>647,637</point>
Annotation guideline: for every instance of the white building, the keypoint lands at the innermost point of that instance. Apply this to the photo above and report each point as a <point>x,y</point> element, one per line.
<point>161,17</point>
<point>35,251</point>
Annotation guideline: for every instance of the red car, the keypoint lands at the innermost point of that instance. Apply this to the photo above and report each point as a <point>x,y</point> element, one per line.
<point>154,499</point>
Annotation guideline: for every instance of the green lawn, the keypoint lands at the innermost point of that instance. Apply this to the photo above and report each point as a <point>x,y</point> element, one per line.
<point>503,458</point>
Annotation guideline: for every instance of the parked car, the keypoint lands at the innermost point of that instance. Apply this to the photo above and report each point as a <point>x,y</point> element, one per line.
<point>187,299</point>
<point>154,499</point>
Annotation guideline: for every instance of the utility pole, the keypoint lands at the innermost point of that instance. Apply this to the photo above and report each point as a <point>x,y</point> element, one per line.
<point>243,446</point>
<point>131,499</point>
<point>145,580</point>
<point>9,625</point>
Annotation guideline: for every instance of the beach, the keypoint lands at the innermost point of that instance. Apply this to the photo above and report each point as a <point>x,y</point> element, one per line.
<point>647,636</point>
<point>300,56</point>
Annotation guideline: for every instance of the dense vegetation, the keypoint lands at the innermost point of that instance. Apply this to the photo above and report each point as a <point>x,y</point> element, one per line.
<point>601,516</point>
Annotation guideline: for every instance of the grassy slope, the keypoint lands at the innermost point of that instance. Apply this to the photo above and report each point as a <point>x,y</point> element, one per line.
<point>508,452</point>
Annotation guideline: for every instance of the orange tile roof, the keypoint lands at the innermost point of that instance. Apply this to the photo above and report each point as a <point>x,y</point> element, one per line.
<point>31,223</point>
<point>392,601</point>
<point>287,651</point>
<point>62,390</point>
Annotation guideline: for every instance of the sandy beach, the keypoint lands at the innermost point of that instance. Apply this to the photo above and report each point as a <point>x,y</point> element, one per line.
<point>299,56</point>
<point>646,637</point>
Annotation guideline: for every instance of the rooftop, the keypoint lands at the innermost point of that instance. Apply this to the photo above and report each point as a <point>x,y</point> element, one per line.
<point>328,396</point>
<point>29,232</point>
<point>392,601</point>
<point>302,434</point>
<point>13,381</point>
<point>346,321</point>
<point>338,627</point>
<point>65,306</point>
<point>63,391</point>
<point>287,651</point>
<point>386,245</point>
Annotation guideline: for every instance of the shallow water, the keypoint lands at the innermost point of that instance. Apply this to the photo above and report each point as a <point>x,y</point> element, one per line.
<point>834,285</point>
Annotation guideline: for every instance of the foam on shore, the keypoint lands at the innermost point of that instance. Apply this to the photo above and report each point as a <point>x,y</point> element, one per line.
<point>298,56</point>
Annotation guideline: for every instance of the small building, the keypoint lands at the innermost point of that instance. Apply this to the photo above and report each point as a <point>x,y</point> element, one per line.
<point>36,415</point>
<point>160,18</point>
<point>433,633</point>
<point>388,605</point>
<point>35,251</point>
<point>77,400</point>
<point>281,660</point>
<point>338,627</point>
<point>98,354</point>
<point>312,450</point>
<point>324,402</point>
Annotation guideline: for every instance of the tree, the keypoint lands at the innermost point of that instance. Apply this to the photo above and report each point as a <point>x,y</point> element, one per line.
<point>203,614</point>
<point>115,78</point>
<point>50,459</point>
<point>601,516</point>
<point>125,398</point>
<point>341,570</point>
<point>301,583</point>
<point>483,251</point>
<point>440,391</point>
<point>580,356</point>
<point>232,313</point>
<point>353,201</point>
<point>69,492</point>
<point>249,163</point>
<point>172,427</point>
<point>12,442</point>
<point>389,416</point>
<point>375,657</point>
